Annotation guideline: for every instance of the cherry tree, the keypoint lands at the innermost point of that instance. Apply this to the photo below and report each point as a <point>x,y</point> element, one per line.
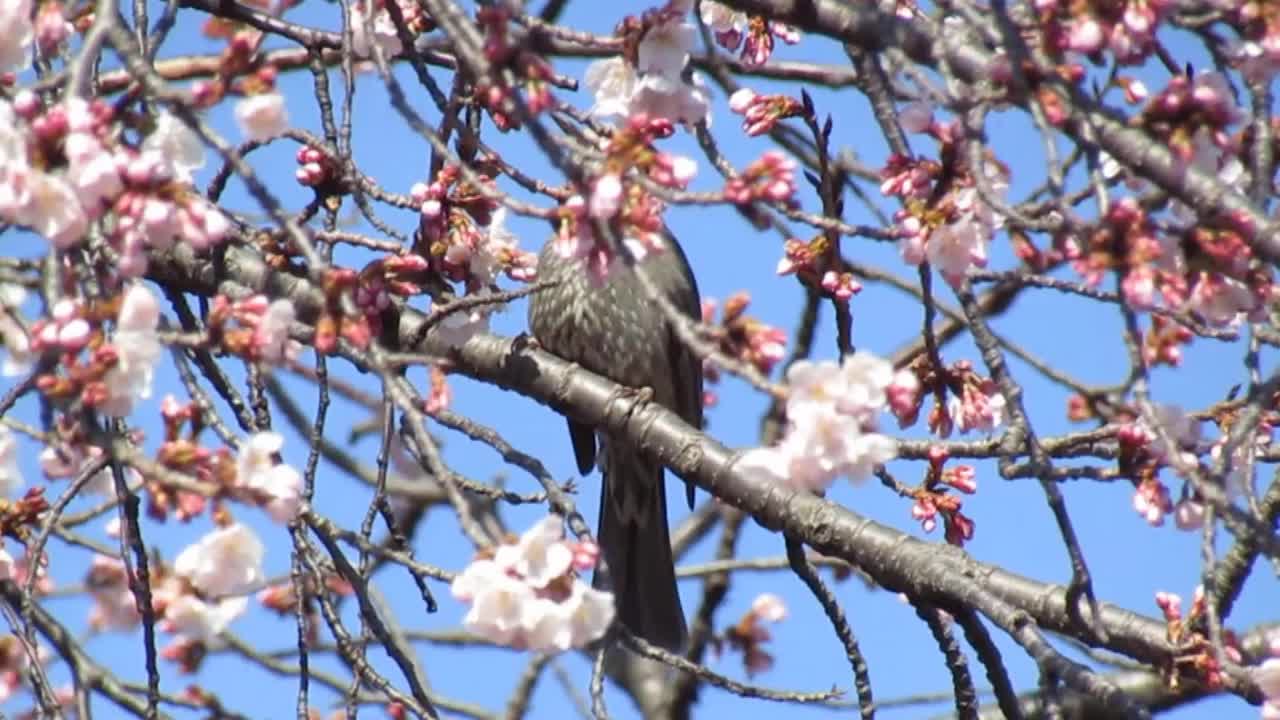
<point>988,344</point>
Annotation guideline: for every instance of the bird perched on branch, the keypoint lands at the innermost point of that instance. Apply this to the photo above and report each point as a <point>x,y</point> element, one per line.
<point>617,330</point>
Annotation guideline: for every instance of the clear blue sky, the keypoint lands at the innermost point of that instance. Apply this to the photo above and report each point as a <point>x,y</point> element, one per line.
<point>1129,560</point>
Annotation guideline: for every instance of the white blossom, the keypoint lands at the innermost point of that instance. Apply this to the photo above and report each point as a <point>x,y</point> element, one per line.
<point>138,349</point>
<point>527,597</point>
<point>262,117</point>
<point>15,41</point>
<point>197,620</point>
<point>227,561</point>
<point>831,422</point>
<point>11,479</point>
<point>540,556</point>
<point>178,147</point>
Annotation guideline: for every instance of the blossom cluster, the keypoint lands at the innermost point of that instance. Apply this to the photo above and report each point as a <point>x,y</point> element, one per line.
<point>1171,437</point>
<point>115,374</point>
<point>932,499</point>
<point>525,594</point>
<point>462,235</point>
<point>761,113</point>
<point>195,599</point>
<point>1126,28</point>
<point>464,231</point>
<point>619,199</point>
<point>755,34</point>
<point>740,336</point>
<point>206,590</point>
<point>831,423</point>
<point>531,71</point>
<point>750,634</point>
<point>63,167</point>
<point>950,229</point>
<point>647,78</point>
<point>372,26</point>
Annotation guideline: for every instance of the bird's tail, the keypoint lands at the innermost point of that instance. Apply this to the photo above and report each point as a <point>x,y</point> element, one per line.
<point>636,544</point>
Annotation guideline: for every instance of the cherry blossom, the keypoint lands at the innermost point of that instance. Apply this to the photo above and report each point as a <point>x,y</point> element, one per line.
<point>527,596</point>
<point>368,31</point>
<point>498,250</point>
<point>539,556</point>
<point>200,621</point>
<point>114,605</point>
<point>1151,501</point>
<point>15,41</point>
<point>977,408</point>
<point>831,414</point>
<point>52,209</point>
<point>8,567</point>
<point>227,561</point>
<point>279,483</point>
<point>653,85</point>
<point>770,607</point>
<point>728,25</point>
<point>761,113</point>
<point>612,81</point>
<point>137,348</point>
<point>263,116</point>
<point>11,478</point>
<point>19,357</point>
<point>459,326</point>
<point>67,461</point>
<point>271,336</point>
<point>177,145</point>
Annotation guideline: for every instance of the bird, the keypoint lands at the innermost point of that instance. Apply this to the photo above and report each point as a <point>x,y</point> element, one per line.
<point>613,328</point>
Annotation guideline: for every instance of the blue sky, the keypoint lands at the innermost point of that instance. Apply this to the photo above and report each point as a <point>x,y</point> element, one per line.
<point>1129,560</point>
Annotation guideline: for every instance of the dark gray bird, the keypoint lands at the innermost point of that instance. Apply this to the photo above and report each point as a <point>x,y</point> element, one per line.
<point>617,331</point>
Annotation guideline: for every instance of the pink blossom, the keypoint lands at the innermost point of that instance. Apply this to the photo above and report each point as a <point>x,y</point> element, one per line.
<point>612,81</point>
<point>842,286</point>
<point>903,394</point>
<point>52,209</point>
<point>1221,300</point>
<point>977,408</point>
<point>925,512</point>
<point>367,32</point>
<point>459,326</point>
<point>19,354</point>
<point>671,98</point>
<point>654,86</point>
<point>728,25</point>
<point>961,477</point>
<point>1151,501</point>
<point>262,117</point>
<point>606,196</point>
<point>271,336</point>
<point>665,48</point>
